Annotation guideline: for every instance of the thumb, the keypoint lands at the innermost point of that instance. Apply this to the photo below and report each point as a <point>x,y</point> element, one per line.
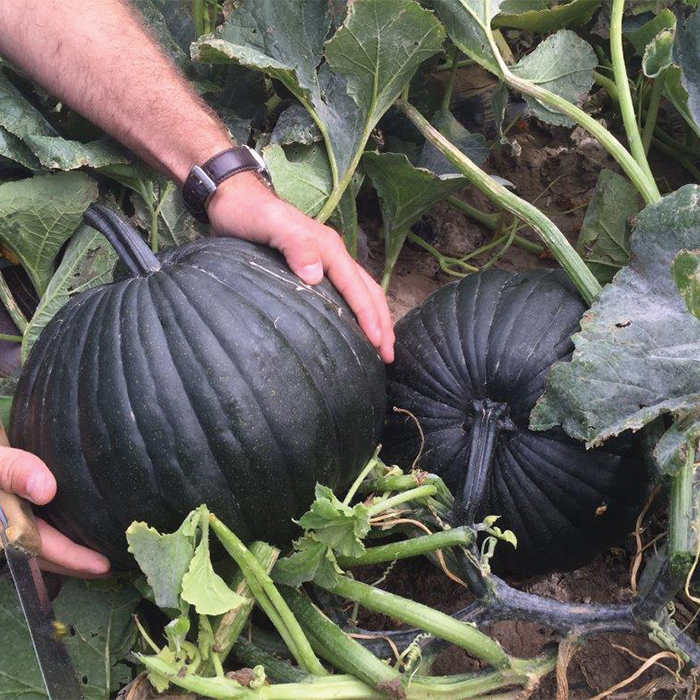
<point>24,474</point>
<point>300,248</point>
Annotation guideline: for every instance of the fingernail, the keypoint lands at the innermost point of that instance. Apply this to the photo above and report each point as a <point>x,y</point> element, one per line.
<point>311,273</point>
<point>37,487</point>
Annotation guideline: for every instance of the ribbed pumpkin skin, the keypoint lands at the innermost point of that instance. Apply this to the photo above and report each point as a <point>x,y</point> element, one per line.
<point>218,379</point>
<point>494,336</point>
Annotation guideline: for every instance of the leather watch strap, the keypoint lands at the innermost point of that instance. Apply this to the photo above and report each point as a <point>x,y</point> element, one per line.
<point>202,181</point>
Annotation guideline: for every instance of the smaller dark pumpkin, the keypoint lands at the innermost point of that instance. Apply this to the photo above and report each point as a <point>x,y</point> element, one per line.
<point>470,364</point>
<point>206,374</point>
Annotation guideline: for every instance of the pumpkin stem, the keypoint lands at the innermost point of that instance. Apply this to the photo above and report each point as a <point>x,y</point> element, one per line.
<point>489,419</point>
<point>133,251</point>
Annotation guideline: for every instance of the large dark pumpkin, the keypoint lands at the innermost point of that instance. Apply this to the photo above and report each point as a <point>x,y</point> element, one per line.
<point>470,364</point>
<point>209,374</point>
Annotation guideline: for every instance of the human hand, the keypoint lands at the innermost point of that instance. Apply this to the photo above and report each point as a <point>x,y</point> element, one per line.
<point>27,476</point>
<point>244,207</point>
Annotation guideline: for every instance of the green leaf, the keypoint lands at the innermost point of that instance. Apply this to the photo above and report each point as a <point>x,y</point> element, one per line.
<point>368,60</point>
<point>685,269</point>
<point>283,38</point>
<point>311,558</point>
<point>405,194</point>
<point>202,587</point>
<point>544,17</point>
<point>563,64</point>
<point>15,149</point>
<point>658,54</point>
<point>636,355</point>
<point>338,526</point>
<point>689,60</point>
<point>468,24</point>
<point>164,559</point>
<point>305,181</point>
<point>677,95</point>
<point>24,121</point>
<point>88,261</point>
<point>604,238</point>
<point>38,215</point>
<point>474,146</point>
<point>20,677</point>
<point>176,631</point>
<point>642,36</point>
<point>176,225</point>
<point>102,633</point>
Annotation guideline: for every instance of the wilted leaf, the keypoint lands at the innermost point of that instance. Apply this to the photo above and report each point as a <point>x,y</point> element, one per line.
<point>88,261</point>
<point>636,355</point>
<point>164,559</point>
<point>563,64</point>
<point>304,182</point>
<point>38,215</point>
<point>202,587</point>
<point>102,633</point>
<point>658,54</point>
<point>689,59</point>
<point>686,274</point>
<point>604,238</point>
<point>641,36</point>
<point>544,17</point>
<point>468,25</point>
<point>474,146</point>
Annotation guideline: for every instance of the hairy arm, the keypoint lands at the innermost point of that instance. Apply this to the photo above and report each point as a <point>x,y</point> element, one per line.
<point>96,57</point>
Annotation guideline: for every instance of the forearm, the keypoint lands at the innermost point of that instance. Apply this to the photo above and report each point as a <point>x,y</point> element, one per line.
<point>96,57</point>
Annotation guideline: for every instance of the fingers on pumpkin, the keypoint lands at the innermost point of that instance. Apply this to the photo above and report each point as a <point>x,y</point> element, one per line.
<point>62,556</point>
<point>26,475</point>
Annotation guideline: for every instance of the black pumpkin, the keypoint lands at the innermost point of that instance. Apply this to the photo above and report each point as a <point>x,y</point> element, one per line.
<point>470,364</point>
<point>209,374</point>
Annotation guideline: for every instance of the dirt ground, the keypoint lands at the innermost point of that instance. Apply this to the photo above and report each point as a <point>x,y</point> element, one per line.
<point>558,170</point>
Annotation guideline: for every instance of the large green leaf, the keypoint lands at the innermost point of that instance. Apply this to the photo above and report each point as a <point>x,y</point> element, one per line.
<point>658,54</point>
<point>636,355</point>
<point>542,16</point>
<point>24,121</point>
<point>368,60</point>
<point>468,24</point>
<point>88,261</point>
<point>604,238</point>
<point>689,59</point>
<point>563,64</point>
<point>641,36</point>
<point>102,633</point>
<point>20,677</point>
<point>38,215</point>
<point>15,149</point>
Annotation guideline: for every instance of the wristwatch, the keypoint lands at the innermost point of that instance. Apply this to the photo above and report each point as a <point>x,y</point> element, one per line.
<point>202,180</point>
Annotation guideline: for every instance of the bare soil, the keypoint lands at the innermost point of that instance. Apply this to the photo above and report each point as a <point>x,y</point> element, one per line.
<point>558,170</point>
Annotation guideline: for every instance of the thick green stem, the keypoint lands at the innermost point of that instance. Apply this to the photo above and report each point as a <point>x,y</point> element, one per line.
<point>652,112</point>
<point>412,495</point>
<point>11,338</point>
<point>373,462</point>
<point>609,86</point>
<point>198,17</point>
<point>423,617</point>
<point>682,535</point>
<point>8,301</point>
<point>488,220</point>
<point>417,546</point>
<point>553,238</point>
<point>231,624</point>
<point>629,117</point>
<point>269,598</point>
